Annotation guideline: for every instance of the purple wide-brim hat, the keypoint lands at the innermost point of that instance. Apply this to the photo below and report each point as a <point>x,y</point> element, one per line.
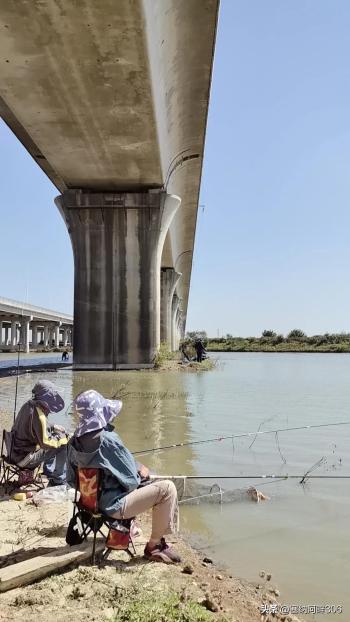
<point>94,411</point>
<point>45,392</point>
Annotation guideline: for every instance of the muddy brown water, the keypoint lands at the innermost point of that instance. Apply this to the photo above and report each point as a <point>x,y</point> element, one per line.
<point>301,536</point>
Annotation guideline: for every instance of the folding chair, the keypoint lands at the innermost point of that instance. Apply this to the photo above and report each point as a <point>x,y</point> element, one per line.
<point>12,476</point>
<point>89,519</point>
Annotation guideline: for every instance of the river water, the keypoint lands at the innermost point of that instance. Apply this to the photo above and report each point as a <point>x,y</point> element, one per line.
<point>300,536</point>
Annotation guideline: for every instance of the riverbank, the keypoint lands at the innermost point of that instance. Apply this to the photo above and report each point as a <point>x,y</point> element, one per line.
<point>246,345</point>
<point>176,364</point>
<point>193,591</point>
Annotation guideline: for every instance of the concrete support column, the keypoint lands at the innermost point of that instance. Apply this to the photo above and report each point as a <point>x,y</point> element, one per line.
<point>56,332</point>
<point>46,335</point>
<point>13,341</point>
<point>0,333</point>
<point>177,331</point>
<point>65,336</point>
<point>34,336</point>
<point>6,341</point>
<point>174,309</point>
<point>117,241</point>
<point>25,323</point>
<point>168,281</point>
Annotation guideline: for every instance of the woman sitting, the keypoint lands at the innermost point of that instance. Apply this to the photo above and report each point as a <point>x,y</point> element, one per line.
<point>95,444</point>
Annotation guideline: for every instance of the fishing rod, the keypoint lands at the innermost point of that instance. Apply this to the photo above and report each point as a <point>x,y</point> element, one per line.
<point>16,390</point>
<point>272,476</point>
<point>232,436</point>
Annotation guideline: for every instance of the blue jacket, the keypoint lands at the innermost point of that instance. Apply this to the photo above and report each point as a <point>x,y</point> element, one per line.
<point>117,463</point>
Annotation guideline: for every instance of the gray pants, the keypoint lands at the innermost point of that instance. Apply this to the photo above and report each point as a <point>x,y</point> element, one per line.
<point>55,463</point>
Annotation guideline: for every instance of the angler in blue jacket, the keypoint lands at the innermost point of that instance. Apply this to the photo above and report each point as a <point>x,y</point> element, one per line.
<point>95,444</point>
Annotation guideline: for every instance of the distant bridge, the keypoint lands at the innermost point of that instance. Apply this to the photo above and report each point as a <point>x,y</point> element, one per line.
<point>30,326</point>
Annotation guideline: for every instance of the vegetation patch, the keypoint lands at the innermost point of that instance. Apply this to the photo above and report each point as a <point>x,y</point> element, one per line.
<point>158,607</point>
<point>205,365</point>
<point>163,355</point>
<point>270,341</point>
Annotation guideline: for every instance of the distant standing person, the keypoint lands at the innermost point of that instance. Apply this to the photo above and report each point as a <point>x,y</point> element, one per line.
<point>200,350</point>
<point>65,355</point>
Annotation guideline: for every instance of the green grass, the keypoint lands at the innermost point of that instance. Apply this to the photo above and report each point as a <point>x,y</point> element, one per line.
<point>159,607</point>
<point>164,354</point>
<point>205,365</point>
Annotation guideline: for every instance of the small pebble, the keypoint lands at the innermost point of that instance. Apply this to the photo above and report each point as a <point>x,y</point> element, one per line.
<point>188,569</point>
<point>262,573</point>
<point>207,560</point>
<point>219,577</point>
<point>268,577</point>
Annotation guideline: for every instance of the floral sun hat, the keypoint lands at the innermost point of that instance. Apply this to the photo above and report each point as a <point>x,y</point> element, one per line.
<point>47,393</point>
<point>94,411</point>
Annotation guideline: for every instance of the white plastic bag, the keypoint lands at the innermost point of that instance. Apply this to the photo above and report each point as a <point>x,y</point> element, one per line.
<point>54,494</point>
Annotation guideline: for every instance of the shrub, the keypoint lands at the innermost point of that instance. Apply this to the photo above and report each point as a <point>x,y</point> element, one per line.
<point>296,333</point>
<point>163,354</point>
<point>269,334</point>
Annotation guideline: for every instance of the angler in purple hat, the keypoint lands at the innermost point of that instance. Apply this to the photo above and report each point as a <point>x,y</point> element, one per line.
<point>96,445</point>
<point>33,441</point>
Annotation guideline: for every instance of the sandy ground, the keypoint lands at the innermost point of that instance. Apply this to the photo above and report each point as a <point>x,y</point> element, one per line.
<point>88,593</point>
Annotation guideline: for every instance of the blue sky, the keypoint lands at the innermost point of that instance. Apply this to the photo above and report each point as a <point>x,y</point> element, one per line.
<point>272,245</point>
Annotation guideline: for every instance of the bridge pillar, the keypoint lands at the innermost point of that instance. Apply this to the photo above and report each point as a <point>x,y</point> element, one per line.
<point>6,341</point>
<point>168,280</point>
<point>34,336</point>
<point>117,241</point>
<point>177,332</point>
<point>174,310</point>
<point>65,336</point>
<point>13,341</point>
<point>56,332</point>
<point>25,322</point>
<point>46,335</point>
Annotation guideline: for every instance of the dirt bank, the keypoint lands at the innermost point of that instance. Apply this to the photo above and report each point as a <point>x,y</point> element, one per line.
<point>121,590</point>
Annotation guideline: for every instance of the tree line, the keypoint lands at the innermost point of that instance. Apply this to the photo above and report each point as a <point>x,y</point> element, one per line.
<point>296,340</point>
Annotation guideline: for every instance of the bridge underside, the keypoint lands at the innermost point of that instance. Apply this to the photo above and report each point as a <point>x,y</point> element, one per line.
<point>111,101</point>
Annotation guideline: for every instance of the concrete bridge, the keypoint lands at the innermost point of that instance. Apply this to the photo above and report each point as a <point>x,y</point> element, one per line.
<point>30,326</point>
<point>111,99</point>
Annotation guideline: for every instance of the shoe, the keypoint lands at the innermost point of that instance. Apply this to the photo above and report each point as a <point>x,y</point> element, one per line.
<point>162,552</point>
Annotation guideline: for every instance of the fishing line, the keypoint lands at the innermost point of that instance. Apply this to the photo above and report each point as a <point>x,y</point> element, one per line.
<point>231,436</point>
<point>259,428</point>
<point>279,448</point>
